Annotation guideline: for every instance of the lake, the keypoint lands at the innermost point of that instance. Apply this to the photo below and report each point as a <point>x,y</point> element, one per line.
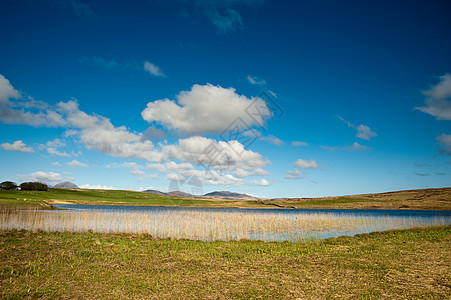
<point>209,224</point>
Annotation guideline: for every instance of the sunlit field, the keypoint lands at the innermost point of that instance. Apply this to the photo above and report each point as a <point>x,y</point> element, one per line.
<point>210,225</point>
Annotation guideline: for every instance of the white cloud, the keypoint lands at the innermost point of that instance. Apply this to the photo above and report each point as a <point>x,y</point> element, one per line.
<point>438,99</point>
<point>56,164</point>
<point>255,80</point>
<point>131,165</point>
<point>212,177</point>
<point>170,166</point>
<point>56,143</point>
<point>219,155</point>
<point>304,164</point>
<point>97,133</point>
<point>41,176</point>
<point>272,139</point>
<point>445,143</point>
<point>153,133</point>
<point>153,69</point>
<point>137,172</point>
<point>10,115</point>
<point>356,147</point>
<point>206,109</point>
<point>17,146</point>
<point>363,132</point>
<point>77,164</point>
<point>298,143</point>
<point>294,174</point>
<point>97,187</point>
<point>54,151</point>
<point>7,91</point>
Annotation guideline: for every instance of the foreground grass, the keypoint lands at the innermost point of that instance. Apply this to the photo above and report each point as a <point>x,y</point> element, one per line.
<point>398,264</point>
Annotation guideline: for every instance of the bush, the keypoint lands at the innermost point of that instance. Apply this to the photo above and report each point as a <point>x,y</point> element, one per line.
<point>34,186</point>
<point>8,186</point>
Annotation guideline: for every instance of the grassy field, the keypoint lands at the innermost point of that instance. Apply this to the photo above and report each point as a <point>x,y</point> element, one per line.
<point>405,264</point>
<point>433,199</point>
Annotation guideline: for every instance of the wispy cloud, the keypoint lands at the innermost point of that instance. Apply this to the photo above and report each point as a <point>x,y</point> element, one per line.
<point>294,174</point>
<point>363,132</point>
<point>153,69</point>
<point>77,164</point>
<point>438,99</point>
<point>356,147</point>
<point>272,139</point>
<point>445,143</point>
<point>306,164</point>
<point>298,144</point>
<point>255,80</point>
<point>229,20</point>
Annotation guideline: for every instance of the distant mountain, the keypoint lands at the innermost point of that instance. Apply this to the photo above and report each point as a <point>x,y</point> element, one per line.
<point>65,185</point>
<point>155,192</point>
<point>181,194</point>
<point>229,195</point>
<point>213,195</point>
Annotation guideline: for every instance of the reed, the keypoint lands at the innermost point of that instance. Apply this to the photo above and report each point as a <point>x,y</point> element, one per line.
<point>210,225</point>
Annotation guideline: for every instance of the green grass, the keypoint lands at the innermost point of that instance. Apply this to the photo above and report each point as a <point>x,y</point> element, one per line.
<point>407,264</point>
<point>105,197</point>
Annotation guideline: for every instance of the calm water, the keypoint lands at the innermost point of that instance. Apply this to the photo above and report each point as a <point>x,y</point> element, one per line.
<point>258,224</point>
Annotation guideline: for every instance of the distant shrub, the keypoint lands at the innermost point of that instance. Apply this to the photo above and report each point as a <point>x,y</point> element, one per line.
<point>34,186</point>
<point>8,186</point>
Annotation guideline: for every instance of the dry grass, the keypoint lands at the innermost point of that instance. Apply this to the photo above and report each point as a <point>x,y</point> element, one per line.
<point>210,225</point>
<point>422,199</point>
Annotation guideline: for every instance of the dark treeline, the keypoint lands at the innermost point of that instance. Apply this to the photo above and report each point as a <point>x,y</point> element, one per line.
<point>26,186</point>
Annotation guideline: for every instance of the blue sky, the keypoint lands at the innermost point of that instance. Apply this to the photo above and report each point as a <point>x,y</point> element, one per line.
<point>270,98</point>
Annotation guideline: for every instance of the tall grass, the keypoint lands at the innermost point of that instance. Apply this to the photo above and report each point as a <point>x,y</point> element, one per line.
<point>211,225</point>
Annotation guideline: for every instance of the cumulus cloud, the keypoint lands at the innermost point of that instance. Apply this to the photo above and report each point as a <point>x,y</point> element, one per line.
<point>255,80</point>
<point>212,177</point>
<point>298,143</point>
<point>363,132</point>
<point>153,133</point>
<point>17,146</point>
<point>9,114</point>
<point>304,164</point>
<point>216,154</point>
<point>170,166</point>
<point>215,106</point>
<point>445,143</point>
<point>153,69</point>
<point>132,165</point>
<point>206,109</point>
<point>77,164</point>
<point>438,99</point>
<point>41,176</point>
<point>99,134</point>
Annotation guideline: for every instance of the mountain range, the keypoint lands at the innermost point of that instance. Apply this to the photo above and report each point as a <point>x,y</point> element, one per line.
<point>227,195</point>
<point>213,195</point>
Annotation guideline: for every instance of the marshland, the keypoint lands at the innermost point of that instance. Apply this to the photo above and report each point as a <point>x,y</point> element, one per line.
<point>117,248</point>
